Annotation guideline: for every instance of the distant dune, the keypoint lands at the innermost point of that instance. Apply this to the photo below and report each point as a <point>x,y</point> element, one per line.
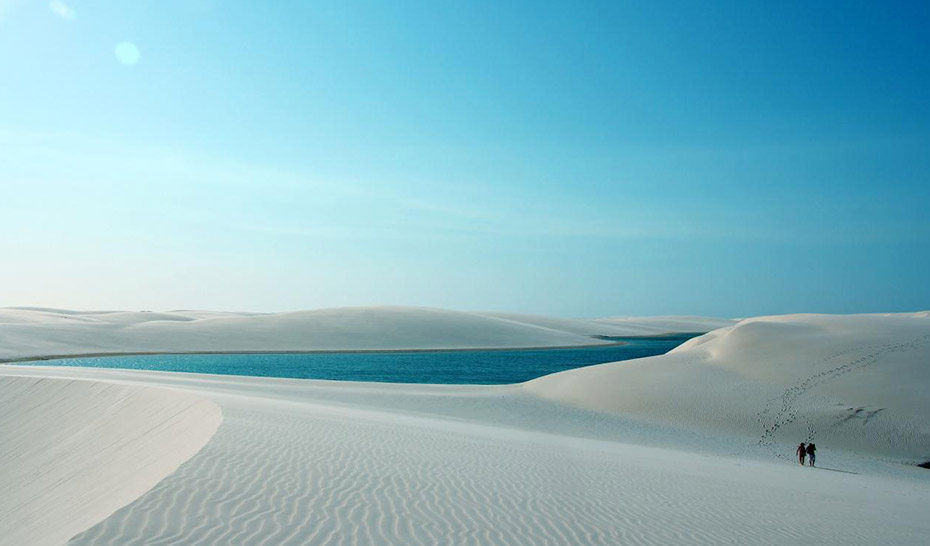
<point>620,326</point>
<point>644,326</point>
<point>30,332</point>
<point>857,382</point>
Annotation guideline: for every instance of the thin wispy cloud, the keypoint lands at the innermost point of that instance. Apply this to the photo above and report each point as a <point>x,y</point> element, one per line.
<point>62,10</point>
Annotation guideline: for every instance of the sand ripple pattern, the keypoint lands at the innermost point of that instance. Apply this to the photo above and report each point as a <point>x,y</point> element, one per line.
<point>295,477</point>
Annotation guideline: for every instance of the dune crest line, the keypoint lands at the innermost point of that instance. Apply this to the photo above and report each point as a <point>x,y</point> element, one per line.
<point>74,451</point>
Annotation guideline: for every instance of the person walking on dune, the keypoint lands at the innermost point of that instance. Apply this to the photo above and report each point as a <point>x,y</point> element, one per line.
<point>802,452</point>
<point>811,453</point>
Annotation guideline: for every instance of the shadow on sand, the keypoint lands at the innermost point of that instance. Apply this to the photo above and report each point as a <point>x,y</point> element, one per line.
<point>836,470</point>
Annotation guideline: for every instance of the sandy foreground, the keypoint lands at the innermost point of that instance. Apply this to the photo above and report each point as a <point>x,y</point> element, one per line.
<point>693,447</point>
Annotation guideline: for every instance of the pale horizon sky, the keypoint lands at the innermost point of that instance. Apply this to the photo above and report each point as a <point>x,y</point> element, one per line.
<point>571,159</point>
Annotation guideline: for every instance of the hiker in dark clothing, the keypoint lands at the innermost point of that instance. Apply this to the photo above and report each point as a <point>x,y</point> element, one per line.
<point>801,451</point>
<point>811,453</point>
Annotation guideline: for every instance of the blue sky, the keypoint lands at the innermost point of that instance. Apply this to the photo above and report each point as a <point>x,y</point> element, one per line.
<point>577,159</point>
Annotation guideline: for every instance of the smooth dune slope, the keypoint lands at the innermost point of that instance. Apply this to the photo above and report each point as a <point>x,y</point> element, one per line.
<point>73,452</point>
<point>854,382</point>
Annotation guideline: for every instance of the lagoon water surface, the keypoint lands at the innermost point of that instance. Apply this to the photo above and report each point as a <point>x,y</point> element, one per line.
<point>450,367</point>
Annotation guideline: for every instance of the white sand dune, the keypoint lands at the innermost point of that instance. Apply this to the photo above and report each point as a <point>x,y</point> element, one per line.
<point>35,332</point>
<point>310,462</point>
<point>32,332</point>
<point>72,452</point>
<point>644,326</point>
<point>856,382</point>
<point>620,326</point>
<point>679,449</point>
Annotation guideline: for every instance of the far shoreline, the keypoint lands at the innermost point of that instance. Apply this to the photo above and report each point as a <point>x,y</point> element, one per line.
<point>43,358</point>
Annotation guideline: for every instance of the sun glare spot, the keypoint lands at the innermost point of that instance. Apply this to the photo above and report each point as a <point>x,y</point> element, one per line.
<point>127,53</point>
